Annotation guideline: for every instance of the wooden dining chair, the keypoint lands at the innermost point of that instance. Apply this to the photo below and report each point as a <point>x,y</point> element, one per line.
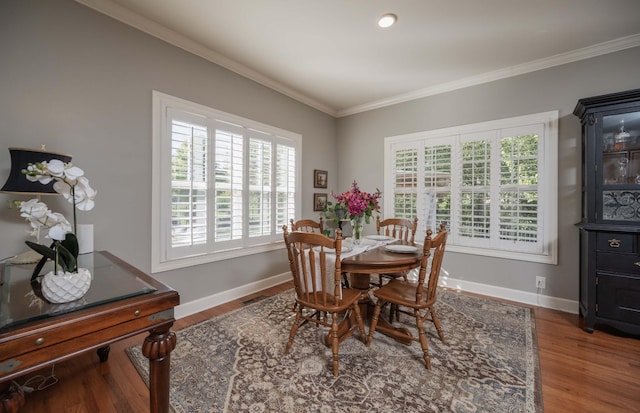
<point>417,299</point>
<point>316,269</point>
<point>398,228</point>
<point>307,225</point>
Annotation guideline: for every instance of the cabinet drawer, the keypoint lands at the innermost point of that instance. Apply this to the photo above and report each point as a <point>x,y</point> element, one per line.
<point>617,242</point>
<point>618,298</point>
<point>141,315</point>
<point>626,263</point>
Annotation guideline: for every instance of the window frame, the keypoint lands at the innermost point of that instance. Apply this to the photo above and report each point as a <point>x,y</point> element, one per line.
<point>546,123</point>
<point>163,257</point>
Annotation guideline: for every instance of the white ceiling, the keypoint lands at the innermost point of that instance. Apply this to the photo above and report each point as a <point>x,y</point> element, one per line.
<point>331,55</point>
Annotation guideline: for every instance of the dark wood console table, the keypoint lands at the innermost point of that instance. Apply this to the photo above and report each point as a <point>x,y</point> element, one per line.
<point>122,302</point>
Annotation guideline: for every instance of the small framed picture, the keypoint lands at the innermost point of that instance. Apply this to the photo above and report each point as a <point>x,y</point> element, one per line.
<point>319,179</point>
<point>319,202</point>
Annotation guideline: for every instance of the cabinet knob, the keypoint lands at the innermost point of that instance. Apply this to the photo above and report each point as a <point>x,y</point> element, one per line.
<point>614,243</point>
<point>136,313</point>
<point>39,341</point>
<point>637,264</point>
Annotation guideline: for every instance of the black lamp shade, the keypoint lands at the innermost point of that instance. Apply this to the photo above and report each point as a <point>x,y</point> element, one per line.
<point>20,159</point>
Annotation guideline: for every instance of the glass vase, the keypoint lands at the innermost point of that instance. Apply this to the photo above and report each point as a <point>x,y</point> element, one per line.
<point>357,224</point>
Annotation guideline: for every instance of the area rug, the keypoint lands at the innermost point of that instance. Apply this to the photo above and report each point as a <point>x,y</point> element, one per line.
<point>236,363</point>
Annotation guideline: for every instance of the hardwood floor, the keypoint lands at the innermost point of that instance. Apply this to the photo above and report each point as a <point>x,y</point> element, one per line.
<point>581,372</point>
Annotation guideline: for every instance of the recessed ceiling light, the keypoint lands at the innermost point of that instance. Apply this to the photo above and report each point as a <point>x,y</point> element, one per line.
<point>387,20</point>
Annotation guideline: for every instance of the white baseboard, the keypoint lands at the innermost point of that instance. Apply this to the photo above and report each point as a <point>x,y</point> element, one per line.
<point>204,303</point>
<point>561,304</point>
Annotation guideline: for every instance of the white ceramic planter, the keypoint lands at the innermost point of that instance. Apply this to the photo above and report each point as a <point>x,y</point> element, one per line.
<point>66,287</point>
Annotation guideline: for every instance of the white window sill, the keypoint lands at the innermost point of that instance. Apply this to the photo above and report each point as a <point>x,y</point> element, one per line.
<point>215,256</point>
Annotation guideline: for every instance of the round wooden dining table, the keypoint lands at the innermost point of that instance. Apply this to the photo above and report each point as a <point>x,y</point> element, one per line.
<point>378,260</point>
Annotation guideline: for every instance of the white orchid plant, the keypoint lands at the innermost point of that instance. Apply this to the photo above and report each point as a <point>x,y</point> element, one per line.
<point>71,183</point>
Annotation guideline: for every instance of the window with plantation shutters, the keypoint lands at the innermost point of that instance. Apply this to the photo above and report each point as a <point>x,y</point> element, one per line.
<point>223,186</point>
<point>494,184</point>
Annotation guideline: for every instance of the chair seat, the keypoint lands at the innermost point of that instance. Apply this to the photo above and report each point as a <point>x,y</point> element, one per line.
<point>403,293</point>
<point>349,296</point>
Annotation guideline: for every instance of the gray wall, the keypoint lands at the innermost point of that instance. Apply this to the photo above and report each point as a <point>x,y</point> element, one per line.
<point>556,88</point>
<point>80,82</point>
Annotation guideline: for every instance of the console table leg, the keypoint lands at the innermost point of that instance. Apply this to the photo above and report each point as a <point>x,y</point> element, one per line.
<point>157,348</point>
<point>103,353</point>
<point>11,398</point>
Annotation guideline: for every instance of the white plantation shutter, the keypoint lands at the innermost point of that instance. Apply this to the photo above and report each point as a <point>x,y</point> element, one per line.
<point>260,187</point>
<point>229,183</point>
<point>188,221</point>
<point>474,188</point>
<point>285,185</point>
<point>223,185</point>
<point>405,178</point>
<point>520,161</point>
<point>494,184</point>
<point>436,206</point>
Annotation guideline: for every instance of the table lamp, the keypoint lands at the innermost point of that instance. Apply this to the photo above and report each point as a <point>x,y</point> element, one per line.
<point>18,184</point>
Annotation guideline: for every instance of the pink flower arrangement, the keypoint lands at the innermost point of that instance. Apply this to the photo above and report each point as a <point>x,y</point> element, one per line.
<point>358,203</point>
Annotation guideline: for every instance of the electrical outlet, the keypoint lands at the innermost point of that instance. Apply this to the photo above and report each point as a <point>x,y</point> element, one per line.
<point>541,282</point>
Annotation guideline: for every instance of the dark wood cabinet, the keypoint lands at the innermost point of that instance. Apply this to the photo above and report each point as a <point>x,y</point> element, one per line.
<point>610,225</point>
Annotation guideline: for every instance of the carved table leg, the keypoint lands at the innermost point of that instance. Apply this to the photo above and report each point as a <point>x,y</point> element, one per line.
<point>157,348</point>
<point>11,398</point>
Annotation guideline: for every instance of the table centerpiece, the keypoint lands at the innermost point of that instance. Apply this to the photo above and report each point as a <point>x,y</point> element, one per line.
<point>358,206</point>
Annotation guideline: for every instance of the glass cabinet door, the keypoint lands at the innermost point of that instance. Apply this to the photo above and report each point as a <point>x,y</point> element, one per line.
<point>621,167</point>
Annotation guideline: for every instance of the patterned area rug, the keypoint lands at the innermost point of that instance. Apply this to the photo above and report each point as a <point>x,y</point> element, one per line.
<point>236,363</point>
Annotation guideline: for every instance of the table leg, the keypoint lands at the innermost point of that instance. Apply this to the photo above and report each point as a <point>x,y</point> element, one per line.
<point>103,353</point>
<point>11,398</point>
<point>401,335</point>
<point>362,282</point>
<point>157,348</point>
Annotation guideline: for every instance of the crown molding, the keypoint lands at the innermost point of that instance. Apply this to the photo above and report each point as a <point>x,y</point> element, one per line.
<point>535,65</point>
<point>148,26</point>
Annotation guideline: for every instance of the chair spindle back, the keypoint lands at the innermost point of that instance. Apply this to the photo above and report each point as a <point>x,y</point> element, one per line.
<point>434,248</point>
<point>399,228</point>
<point>315,268</point>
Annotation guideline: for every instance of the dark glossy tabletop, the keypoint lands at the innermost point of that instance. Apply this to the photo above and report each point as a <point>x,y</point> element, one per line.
<point>20,304</point>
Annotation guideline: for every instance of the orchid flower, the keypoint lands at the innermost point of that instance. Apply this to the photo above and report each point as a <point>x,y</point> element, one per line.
<point>40,216</point>
<point>70,182</point>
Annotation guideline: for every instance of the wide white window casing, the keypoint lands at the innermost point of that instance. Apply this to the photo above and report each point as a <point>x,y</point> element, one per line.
<point>494,183</point>
<point>223,186</point>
